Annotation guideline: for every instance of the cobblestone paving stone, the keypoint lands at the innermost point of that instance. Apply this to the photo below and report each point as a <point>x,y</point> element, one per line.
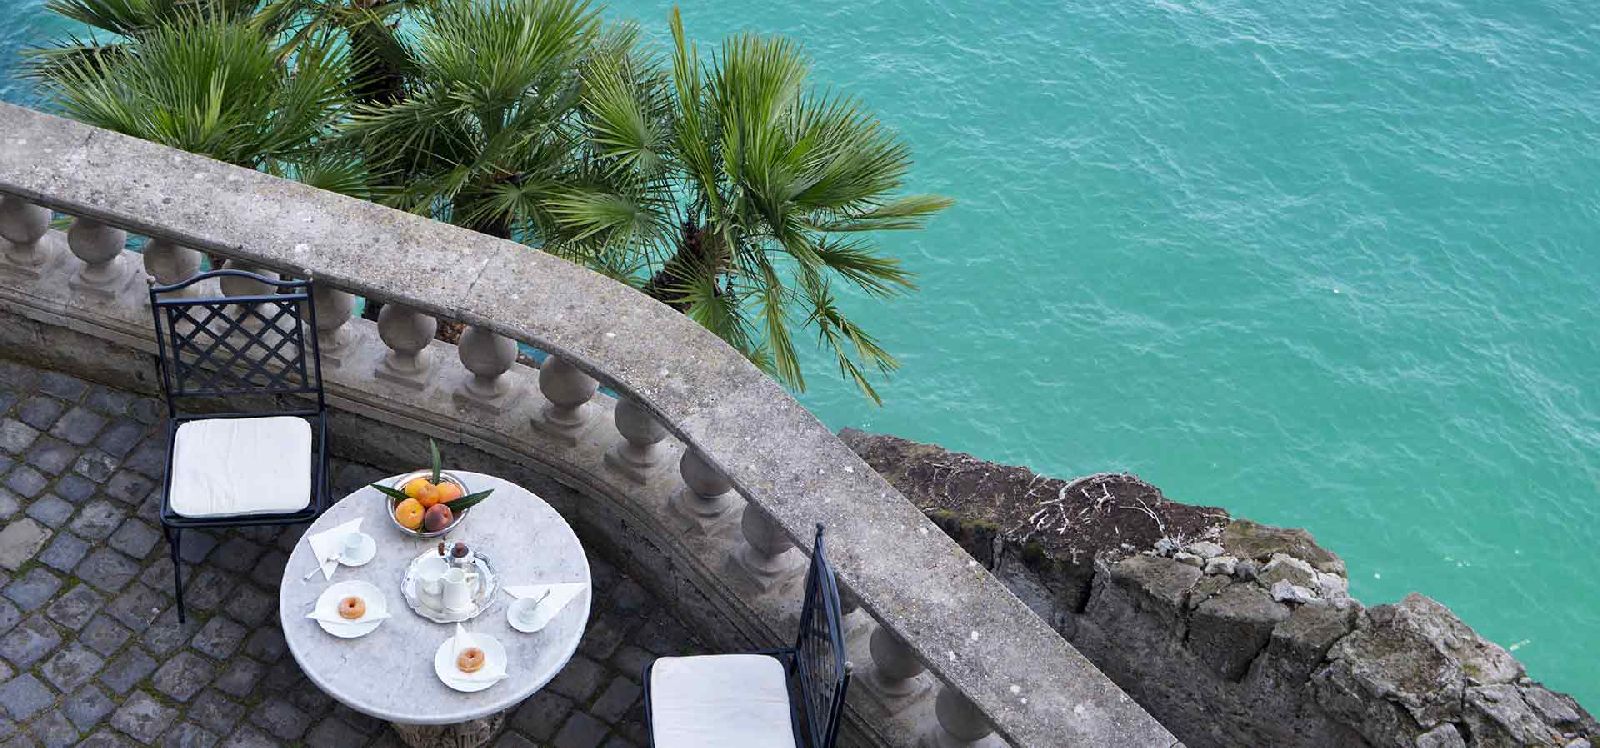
<point>91,652</point>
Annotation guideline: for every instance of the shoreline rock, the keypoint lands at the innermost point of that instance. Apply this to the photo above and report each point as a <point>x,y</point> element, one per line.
<point>1228,631</point>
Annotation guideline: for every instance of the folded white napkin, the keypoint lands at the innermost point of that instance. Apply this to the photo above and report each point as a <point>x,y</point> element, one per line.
<point>328,544</point>
<point>332,616</point>
<point>489,673</point>
<point>561,593</point>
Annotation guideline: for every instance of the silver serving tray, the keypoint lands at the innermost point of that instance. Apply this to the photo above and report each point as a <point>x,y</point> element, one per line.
<point>484,599</point>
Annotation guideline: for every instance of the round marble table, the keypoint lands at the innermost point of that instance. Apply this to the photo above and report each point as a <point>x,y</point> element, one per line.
<point>389,673</point>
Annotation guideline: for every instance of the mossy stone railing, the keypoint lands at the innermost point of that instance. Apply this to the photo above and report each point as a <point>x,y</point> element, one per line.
<point>1002,668</point>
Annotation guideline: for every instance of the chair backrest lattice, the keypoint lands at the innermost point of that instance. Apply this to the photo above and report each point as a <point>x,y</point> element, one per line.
<point>821,672</point>
<point>237,346</point>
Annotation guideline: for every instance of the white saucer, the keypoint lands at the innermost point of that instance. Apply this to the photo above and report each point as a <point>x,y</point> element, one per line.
<point>523,608</point>
<point>533,609</point>
<point>367,552</point>
<point>444,662</point>
<point>368,592</point>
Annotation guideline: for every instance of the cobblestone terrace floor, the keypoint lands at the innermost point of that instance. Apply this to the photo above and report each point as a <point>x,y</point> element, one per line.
<point>91,651</point>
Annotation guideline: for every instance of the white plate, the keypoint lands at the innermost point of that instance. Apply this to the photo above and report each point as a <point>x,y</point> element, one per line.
<point>367,552</point>
<point>368,592</point>
<point>444,662</point>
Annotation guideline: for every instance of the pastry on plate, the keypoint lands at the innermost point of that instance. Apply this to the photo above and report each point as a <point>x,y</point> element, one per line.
<point>470,660</point>
<point>352,608</point>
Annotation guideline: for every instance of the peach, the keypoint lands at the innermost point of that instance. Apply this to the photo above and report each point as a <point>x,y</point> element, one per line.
<point>414,487</point>
<point>447,492</point>
<point>437,518</point>
<point>427,493</point>
<point>409,514</point>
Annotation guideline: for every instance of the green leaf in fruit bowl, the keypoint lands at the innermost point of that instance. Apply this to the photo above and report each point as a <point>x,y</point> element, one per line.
<point>433,451</point>
<point>467,502</point>
<point>393,493</point>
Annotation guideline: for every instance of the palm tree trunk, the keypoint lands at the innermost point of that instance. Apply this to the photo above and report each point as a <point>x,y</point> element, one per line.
<point>694,259</point>
<point>374,79</point>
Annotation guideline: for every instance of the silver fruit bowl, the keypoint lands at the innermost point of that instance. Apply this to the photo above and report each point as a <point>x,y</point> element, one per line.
<point>456,516</point>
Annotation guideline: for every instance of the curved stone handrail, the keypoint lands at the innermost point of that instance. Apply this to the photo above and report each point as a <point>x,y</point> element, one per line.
<point>968,629</point>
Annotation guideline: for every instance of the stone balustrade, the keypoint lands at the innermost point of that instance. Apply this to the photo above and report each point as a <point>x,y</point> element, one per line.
<point>947,655</point>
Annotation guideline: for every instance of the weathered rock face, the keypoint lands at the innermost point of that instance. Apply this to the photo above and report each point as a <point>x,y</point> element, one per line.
<point>1230,632</point>
<point>1044,541</point>
<point>1254,540</point>
<point>1408,660</point>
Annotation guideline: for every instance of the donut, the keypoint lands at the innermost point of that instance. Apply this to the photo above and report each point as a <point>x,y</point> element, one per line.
<point>470,660</point>
<point>352,608</point>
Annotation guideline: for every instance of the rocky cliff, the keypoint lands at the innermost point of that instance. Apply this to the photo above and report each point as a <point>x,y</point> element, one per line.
<point>1230,632</point>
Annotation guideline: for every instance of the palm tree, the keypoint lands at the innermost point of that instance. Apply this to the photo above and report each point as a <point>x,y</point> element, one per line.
<point>369,28</point>
<point>748,194</point>
<point>308,39</point>
<point>212,84</point>
<point>485,128</point>
<point>124,21</point>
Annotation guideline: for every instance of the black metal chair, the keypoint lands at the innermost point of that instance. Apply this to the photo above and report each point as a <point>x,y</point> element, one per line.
<point>779,698</point>
<point>235,371</point>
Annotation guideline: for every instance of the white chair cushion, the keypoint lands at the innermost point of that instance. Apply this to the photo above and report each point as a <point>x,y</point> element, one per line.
<point>225,467</point>
<point>720,701</point>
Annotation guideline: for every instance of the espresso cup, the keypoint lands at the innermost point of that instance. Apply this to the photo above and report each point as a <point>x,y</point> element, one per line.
<point>430,580</point>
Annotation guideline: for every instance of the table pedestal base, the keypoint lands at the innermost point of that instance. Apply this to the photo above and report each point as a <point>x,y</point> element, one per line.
<point>472,734</point>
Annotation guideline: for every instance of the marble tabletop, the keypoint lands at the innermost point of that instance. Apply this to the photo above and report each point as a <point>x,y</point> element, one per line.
<point>389,673</point>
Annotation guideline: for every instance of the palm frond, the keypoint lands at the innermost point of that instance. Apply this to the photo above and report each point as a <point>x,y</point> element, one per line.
<point>493,54</point>
<point>705,303</point>
<point>843,337</point>
<point>897,214</point>
<point>130,18</point>
<point>694,136</point>
<point>623,119</point>
<point>208,86</point>
<point>860,264</point>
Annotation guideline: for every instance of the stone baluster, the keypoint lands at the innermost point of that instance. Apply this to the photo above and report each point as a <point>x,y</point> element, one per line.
<point>23,225</point>
<point>854,620</point>
<point>568,413</point>
<point>706,497</point>
<point>233,286</point>
<point>767,553</point>
<point>407,332</point>
<point>334,310</point>
<point>639,453</point>
<point>99,246</point>
<point>487,356</point>
<point>958,723</point>
<point>896,672</point>
<point>168,263</point>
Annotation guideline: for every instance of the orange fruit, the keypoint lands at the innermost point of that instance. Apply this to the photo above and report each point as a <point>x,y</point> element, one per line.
<point>428,496</point>
<point>415,486</point>
<point>447,492</point>
<point>409,514</point>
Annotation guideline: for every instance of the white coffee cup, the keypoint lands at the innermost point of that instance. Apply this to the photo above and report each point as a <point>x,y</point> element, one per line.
<point>430,580</point>
<point>351,547</point>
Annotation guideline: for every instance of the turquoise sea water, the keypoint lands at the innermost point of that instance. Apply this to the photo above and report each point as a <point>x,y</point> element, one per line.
<point>1324,264</point>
